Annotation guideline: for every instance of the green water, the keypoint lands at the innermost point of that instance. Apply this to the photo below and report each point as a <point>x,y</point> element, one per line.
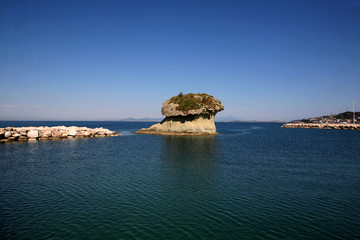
<point>253,181</point>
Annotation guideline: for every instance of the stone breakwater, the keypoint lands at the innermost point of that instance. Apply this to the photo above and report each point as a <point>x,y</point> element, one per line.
<point>323,125</point>
<point>10,134</point>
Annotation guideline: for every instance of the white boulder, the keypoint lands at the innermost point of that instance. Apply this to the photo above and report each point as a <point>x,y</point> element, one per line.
<point>72,132</point>
<point>33,134</point>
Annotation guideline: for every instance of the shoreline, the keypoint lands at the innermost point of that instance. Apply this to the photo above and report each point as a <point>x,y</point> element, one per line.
<point>33,134</point>
<point>342,126</point>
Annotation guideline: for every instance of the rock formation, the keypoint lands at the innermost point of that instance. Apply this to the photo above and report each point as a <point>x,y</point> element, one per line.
<point>190,114</point>
<point>10,134</point>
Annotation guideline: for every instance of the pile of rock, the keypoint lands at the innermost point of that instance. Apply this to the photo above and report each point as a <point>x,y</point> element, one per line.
<point>323,125</point>
<point>10,134</point>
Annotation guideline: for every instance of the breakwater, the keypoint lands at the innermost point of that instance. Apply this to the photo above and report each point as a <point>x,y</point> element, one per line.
<point>22,134</point>
<point>346,126</point>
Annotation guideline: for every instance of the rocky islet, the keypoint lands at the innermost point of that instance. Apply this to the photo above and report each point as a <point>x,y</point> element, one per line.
<point>190,114</point>
<point>23,134</point>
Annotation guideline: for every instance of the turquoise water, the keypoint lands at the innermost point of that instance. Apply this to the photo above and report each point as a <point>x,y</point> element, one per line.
<point>253,181</point>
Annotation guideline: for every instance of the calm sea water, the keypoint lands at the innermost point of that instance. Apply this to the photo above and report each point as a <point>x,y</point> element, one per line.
<point>253,181</point>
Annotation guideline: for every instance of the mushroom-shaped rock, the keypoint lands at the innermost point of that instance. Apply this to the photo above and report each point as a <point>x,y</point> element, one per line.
<point>190,114</point>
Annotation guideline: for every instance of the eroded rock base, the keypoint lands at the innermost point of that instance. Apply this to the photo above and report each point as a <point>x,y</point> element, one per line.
<point>196,125</point>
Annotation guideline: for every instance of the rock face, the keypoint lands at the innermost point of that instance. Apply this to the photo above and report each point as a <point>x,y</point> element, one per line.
<point>190,114</point>
<point>10,134</point>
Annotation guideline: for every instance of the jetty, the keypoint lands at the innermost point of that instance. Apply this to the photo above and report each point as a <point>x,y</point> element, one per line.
<point>346,126</point>
<point>23,134</point>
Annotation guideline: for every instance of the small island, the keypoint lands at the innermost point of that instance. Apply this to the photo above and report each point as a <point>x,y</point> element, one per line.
<point>24,134</point>
<point>187,114</point>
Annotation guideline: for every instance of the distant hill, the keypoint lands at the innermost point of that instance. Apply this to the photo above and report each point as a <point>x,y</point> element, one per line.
<point>233,119</point>
<point>141,120</point>
<point>258,121</point>
<point>340,117</point>
<point>347,115</point>
<point>226,119</point>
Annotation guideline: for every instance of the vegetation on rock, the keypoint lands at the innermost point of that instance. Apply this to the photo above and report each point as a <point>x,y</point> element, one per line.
<point>192,101</point>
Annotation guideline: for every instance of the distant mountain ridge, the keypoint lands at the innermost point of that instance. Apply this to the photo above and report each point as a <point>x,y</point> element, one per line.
<point>140,120</point>
<point>233,119</point>
<point>226,119</point>
<point>220,119</point>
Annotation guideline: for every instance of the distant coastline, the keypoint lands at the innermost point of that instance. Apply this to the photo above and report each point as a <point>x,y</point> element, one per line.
<point>345,126</point>
<point>252,121</point>
<point>344,120</point>
<point>140,120</point>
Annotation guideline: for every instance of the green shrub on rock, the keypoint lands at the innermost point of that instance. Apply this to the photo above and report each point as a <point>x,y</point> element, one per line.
<point>192,101</point>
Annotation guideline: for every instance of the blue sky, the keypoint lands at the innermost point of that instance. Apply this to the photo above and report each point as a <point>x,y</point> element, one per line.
<point>108,60</point>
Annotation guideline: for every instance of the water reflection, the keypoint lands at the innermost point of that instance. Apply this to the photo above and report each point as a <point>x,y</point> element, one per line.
<point>189,179</point>
<point>189,151</point>
<point>188,161</point>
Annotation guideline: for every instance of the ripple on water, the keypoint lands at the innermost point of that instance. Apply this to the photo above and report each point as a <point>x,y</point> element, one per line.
<point>253,181</point>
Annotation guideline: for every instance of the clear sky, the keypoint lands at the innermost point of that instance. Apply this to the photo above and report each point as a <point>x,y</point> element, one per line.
<point>108,60</point>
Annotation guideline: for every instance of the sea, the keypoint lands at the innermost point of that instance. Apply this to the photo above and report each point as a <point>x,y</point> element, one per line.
<point>252,181</point>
